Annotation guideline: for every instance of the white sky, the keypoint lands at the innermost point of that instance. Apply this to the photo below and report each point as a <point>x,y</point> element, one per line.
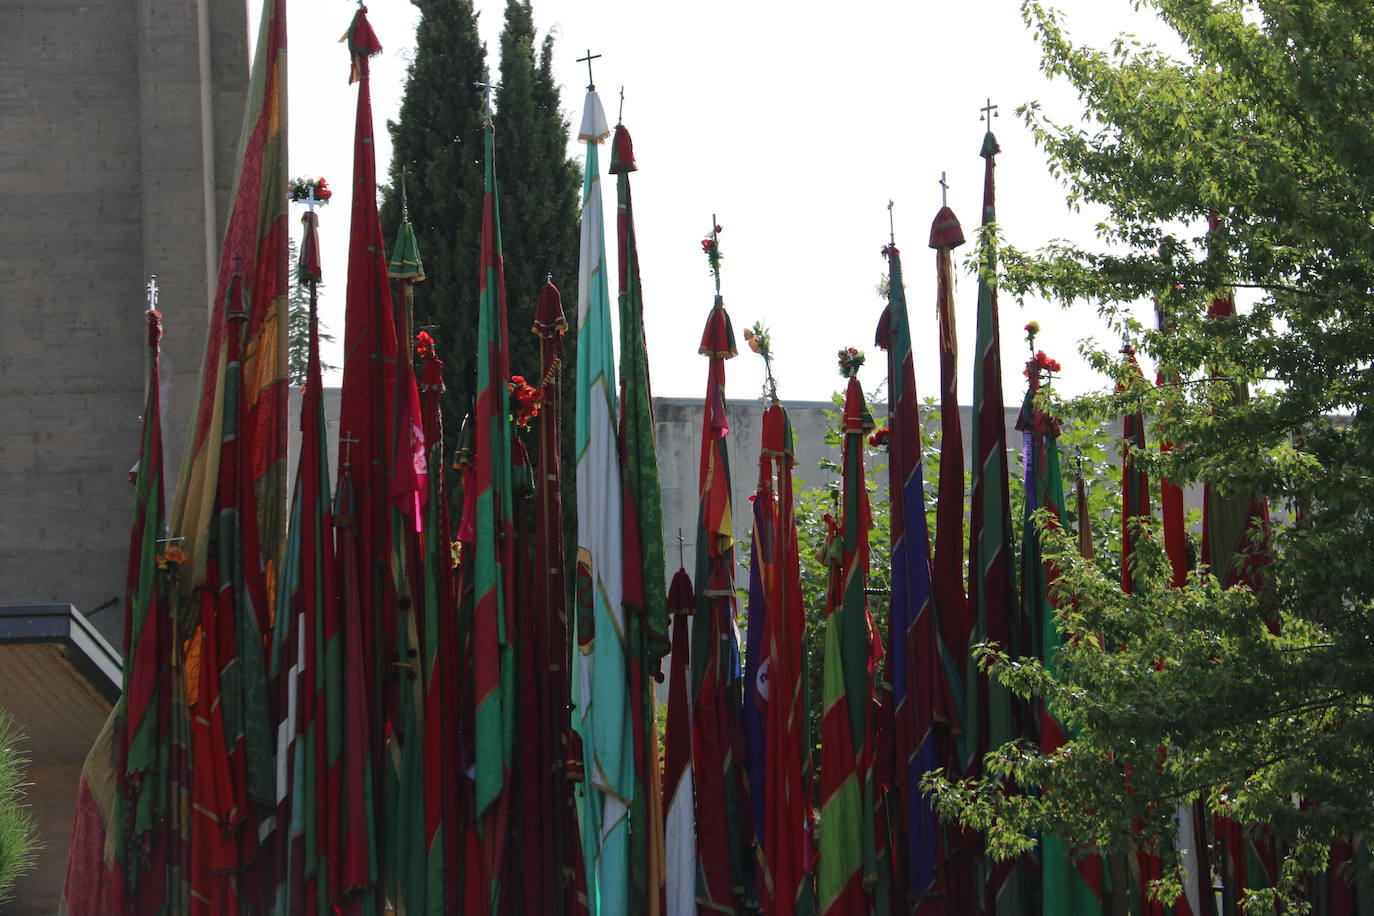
<point>795,129</point>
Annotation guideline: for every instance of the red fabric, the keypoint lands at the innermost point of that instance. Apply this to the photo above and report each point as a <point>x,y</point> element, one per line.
<point>366,415</point>
<point>945,231</point>
<point>622,152</point>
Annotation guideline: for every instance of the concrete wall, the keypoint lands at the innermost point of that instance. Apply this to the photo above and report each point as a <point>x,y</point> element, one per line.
<point>117,146</point>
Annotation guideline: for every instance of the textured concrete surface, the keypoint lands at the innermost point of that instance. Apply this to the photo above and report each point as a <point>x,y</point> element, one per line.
<point>117,144</point>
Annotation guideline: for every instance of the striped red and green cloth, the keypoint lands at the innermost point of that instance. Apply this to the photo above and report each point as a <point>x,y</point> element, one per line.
<point>646,610</point>
<point>852,650</point>
<point>784,827</point>
<point>922,669</point>
<point>717,738</point>
<point>1068,886</point>
<point>992,716</point>
<point>493,566</point>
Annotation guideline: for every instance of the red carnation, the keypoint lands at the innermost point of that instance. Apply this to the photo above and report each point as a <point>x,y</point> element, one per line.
<point>880,437</point>
<point>424,345</point>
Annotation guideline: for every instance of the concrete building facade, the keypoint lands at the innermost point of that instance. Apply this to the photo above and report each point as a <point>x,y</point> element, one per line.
<point>119,127</point>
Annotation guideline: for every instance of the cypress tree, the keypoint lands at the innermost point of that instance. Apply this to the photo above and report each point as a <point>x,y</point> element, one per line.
<point>438,141</point>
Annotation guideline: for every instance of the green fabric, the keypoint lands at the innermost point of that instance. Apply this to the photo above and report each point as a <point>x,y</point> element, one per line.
<point>495,712</point>
<point>405,263</point>
<point>646,625</point>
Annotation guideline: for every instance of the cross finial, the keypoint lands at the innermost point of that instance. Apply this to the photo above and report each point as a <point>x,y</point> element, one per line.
<point>405,202</point>
<point>891,226</point>
<point>486,85</point>
<point>715,243</point>
<point>989,111</point>
<point>591,83</point>
<point>620,116</point>
<point>310,200</point>
<point>680,561</point>
<point>347,441</point>
<point>944,191</point>
<point>152,292</point>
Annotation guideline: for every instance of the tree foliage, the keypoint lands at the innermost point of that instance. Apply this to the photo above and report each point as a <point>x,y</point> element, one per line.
<point>438,141</point>
<point>1244,700</point>
<point>17,832</point>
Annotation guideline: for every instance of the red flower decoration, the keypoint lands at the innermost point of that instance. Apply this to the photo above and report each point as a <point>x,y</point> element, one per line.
<point>424,345</point>
<point>525,401</point>
<point>880,437</point>
<point>1041,363</point>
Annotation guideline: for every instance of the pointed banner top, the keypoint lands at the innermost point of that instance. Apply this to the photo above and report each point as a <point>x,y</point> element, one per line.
<point>945,231</point>
<point>549,320</point>
<point>718,339</point>
<point>622,152</point>
<point>594,127</point>
<point>405,261</point>
<point>362,44</point>
<point>990,147</point>
<point>857,418</point>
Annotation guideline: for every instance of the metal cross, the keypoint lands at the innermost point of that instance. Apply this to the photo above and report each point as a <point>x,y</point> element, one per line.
<point>891,226</point>
<point>680,561</point>
<point>989,111</point>
<point>347,441</point>
<point>152,292</point>
<point>591,84</point>
<point>944,191</point>
<point>620,116</point>
<point>486,85</point>
<point>405,202</point>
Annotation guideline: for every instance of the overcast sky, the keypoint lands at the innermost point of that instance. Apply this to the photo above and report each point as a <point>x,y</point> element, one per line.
<point>795,129</point>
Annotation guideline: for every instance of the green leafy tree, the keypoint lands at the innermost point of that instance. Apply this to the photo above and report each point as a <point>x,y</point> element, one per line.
<point>1239,700</point>
<point>17,832</point>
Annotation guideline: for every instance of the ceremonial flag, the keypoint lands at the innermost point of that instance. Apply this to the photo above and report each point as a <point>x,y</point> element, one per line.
<point>229,511</point>
<point>255,247</point>
<point>153,727</point>
<point>784,830</point>
<point>680,847</point>
<point>493,567</point>
<point>296,668</point>
<point>136,772</point>
<point>367,424</point>
<point>758,670</point>
<point>921,667</point>
<point>847,850</point>
<point>233,779</point>
<point>992,717</point>
<point>415,866</point>
<point>602,697</point>
<point>717,742</point>
<point>1067,887</point>
<point>646,611</point>
<point>561,850</point>
<point>947,565</point>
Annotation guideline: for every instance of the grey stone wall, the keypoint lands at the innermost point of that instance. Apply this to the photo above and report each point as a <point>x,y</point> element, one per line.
<point>117,148</point>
